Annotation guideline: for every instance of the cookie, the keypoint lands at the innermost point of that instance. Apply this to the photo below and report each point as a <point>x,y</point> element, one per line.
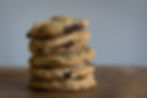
<point>62,73</point>
<point>56,26</point>
<point>65,85</point>
<point>58,45</point>
<point>67,59</point>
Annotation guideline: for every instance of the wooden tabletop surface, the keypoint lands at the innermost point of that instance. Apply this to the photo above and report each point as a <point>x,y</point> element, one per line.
<point>113,82</point>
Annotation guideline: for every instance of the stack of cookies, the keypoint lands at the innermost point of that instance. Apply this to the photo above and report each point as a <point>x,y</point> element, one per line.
<point>61,58</point>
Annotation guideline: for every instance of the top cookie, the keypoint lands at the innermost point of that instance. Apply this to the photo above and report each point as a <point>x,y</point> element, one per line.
<point>55,26</point>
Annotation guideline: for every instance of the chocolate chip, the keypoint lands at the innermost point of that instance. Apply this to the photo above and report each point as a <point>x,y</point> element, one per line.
<point>67,75</point>
<point>39,50</point>
<point>77,27</point>
<point>67,30</point>
<point>66,45</point>
<point>72,28</point>
<point>69,44</point>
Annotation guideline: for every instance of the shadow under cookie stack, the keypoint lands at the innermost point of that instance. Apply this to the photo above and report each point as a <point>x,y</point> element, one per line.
<point>61,58</point>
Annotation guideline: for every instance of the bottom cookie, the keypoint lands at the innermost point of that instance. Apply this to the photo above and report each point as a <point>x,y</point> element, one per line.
<point>62,73</point>
<point>64,85</point>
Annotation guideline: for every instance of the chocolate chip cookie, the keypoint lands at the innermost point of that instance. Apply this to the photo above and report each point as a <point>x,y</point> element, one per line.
<point>62,73</point>
<point>67,59</point>
<point>56,26</point>
<point>78,84</point>
<point>60,44</point>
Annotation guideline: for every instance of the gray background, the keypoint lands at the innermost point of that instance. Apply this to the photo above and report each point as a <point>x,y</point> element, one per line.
<point>119,28</point>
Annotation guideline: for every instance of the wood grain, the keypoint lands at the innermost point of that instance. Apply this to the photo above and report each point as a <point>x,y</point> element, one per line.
<point>113,82</point>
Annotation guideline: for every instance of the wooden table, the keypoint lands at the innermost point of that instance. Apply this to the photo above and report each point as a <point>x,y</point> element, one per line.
<point>114,82</point>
